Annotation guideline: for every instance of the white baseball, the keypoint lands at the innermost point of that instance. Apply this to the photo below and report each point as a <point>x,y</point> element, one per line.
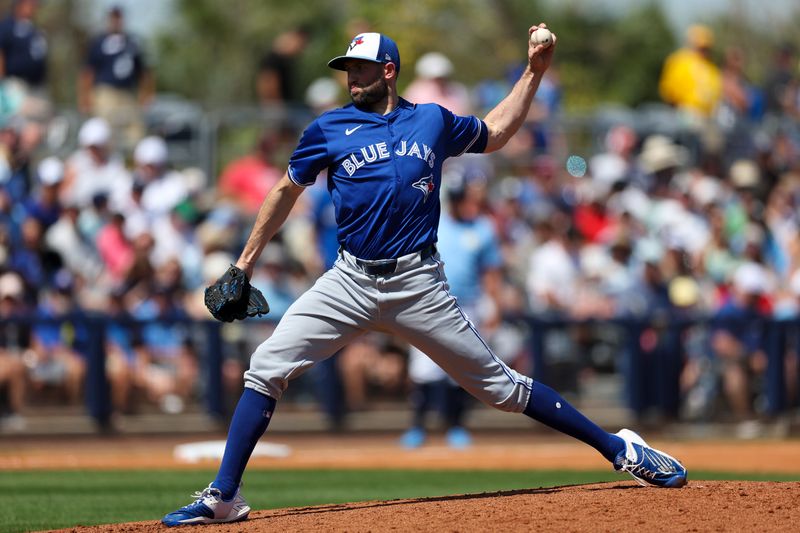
<point>542,36</point>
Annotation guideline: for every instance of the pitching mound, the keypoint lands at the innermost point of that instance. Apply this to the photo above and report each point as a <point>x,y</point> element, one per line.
<point>619,506</point>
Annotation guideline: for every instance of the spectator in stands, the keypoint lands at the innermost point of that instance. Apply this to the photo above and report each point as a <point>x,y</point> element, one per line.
<point>115,249</point>
<point>44,204</point>
<point>171,367</point>
<point>690,80</point>
<point>31,257</point>
<point>618,162</point>
<point>115,82</point>
<point>14,162</point>
<point>782,86</point>
<point>23,62</point>
<point>126,356</point>
<point>469,248</point>
<point>434,84</point>
<point>75,250</point>
<point>14,342</point>
<point>277,83</point>
<point>95,168</point>
<point>57,360</point>
<point>247,180</point>
<point>553,270</point>
<point>738,336</point>
<point>163,188</point>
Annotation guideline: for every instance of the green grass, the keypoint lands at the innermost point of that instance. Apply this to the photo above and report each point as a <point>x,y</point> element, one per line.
<point>39,500</point>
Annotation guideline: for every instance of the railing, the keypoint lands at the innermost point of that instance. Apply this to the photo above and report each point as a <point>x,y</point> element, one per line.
<point>650,354</point>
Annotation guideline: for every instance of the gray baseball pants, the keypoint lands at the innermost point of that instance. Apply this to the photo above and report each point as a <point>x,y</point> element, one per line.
<point>412,303</point>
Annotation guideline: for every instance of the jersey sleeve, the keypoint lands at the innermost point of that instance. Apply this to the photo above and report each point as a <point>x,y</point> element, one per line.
<point>465,134</point>
<point>310,157</point>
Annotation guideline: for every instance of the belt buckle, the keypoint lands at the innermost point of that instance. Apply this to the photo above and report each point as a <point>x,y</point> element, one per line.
<point>380,268</point>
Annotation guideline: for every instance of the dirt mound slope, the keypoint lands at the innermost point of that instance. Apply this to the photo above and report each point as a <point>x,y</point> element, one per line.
<point>616,506</point>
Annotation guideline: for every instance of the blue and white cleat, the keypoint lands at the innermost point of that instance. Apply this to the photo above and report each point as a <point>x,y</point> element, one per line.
<point>647,465</point>
<point>209,508</point>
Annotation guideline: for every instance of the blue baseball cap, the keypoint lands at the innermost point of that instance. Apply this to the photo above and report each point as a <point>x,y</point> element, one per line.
<point>373,47</point>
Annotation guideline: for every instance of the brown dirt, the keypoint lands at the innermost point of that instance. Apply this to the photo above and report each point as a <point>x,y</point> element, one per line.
<point>617,507</point>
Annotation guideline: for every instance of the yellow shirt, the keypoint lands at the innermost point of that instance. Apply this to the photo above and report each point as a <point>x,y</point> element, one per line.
<point>691,82</point>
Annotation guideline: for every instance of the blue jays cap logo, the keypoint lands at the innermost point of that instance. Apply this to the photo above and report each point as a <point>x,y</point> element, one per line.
<point>359,39</point>
<point>425,185</point>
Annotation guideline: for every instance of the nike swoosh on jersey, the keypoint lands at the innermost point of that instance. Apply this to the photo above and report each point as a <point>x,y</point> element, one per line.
<point>349,131</point>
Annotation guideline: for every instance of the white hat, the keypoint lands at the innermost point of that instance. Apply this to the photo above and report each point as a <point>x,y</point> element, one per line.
<point>11,286</point>
<point>750,278</point>
<point>94,132</point>
<point>150,151</point>
<point>433,65</point>
<point>744,173</point>
<point>660,153</point>
<point>50,171</point>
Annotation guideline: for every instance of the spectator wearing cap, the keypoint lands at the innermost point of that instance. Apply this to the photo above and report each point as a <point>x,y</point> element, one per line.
<point>690,80</point>
<point>744,206</point>
<point>14,341</point>
<point>163,188</point>
<point>433,85</point>
<point>115,82</point>
<point>659,159</point>
<point>737,337</point>
<point>44,205</point>
<point>95,169</point>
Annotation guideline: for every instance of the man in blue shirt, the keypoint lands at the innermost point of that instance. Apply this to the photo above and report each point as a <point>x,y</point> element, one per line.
<point>115,82</point>
<point>384,157</point>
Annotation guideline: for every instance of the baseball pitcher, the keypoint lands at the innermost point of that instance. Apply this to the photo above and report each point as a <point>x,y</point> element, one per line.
<point>384,157</point>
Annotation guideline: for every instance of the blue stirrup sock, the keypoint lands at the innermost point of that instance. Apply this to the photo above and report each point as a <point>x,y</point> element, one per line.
<point>249,422</point>
<point>548,407</point>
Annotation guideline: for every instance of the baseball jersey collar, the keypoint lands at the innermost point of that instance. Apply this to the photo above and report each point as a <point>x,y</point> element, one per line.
<point>402,103</point>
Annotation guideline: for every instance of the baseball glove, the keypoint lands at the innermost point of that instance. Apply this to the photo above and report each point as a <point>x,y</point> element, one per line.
<point>232,297</point>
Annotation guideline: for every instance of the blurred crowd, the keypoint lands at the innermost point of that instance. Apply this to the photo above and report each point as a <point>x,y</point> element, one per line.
<point>699,221</point>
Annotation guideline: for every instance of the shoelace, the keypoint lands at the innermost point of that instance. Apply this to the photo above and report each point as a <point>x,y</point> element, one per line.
<point>208,491</point>
<point>638,471</point>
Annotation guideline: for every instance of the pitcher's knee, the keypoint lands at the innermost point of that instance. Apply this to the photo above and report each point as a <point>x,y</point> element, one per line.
<point>511,400</point>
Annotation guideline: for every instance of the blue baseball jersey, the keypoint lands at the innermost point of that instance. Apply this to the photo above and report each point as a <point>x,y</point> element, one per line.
<point>384,172</point>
